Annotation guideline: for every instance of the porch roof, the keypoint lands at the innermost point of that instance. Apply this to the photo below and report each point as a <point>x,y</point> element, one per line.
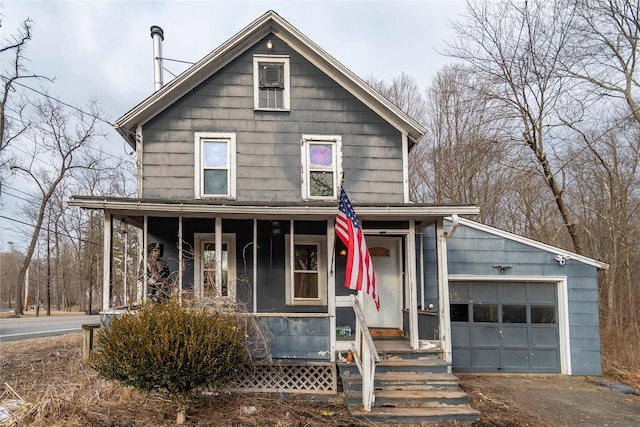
<point>268,209</point>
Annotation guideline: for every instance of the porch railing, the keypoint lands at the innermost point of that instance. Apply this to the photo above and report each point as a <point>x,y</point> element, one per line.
<point>366,356</point>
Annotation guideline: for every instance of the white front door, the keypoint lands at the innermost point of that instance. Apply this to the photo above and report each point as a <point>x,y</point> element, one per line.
<point>385,255</point>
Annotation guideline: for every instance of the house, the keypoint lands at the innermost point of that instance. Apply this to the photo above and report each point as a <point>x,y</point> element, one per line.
<point>240,163</point>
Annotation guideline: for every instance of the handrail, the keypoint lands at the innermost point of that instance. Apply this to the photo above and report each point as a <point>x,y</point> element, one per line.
<point>366,356</point>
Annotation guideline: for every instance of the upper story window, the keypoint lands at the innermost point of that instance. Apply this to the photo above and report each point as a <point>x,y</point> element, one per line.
<point>271,88</point>
<point>215,165</point>
<point>321,166</point>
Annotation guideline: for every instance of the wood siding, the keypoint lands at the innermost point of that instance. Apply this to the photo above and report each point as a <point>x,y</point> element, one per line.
<point>268,161</point>
<point>474,252</point>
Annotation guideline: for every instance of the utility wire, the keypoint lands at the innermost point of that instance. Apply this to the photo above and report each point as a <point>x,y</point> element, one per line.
<point>43,228</point>
<point>95,116</point>
<point>123,159</point>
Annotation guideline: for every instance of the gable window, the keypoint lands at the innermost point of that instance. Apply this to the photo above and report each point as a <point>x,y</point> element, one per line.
<point>309,285</point>
<point>271,82</point>
<point>321,166</point>
<point>215,165</point>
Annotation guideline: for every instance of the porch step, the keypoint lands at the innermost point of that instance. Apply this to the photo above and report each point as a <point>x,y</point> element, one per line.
<point>403,381</point>
<point>410,387</point>
<point>417,415</point>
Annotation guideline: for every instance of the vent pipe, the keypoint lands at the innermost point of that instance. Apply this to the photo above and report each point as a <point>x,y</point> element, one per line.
<point>158,36</point>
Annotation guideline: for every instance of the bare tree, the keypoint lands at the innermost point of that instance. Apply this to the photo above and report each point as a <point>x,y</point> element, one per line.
<point>516,47</point>
<point>462,158</point>
<point>14,47</point>
<point>59,146</point>
<point>603,50</point>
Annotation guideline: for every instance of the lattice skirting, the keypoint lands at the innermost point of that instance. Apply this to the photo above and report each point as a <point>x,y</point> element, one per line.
<point>307,377</point>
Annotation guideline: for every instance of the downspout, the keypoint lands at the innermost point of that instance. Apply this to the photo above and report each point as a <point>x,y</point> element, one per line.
<point>158,37</point>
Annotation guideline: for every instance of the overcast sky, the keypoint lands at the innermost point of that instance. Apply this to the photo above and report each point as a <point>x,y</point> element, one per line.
<point>103,50</point>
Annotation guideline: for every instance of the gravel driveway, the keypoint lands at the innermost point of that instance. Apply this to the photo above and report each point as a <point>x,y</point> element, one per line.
<point>549,400</point>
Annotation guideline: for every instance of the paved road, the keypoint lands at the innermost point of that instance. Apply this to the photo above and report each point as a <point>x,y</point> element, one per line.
<point>31,327</point>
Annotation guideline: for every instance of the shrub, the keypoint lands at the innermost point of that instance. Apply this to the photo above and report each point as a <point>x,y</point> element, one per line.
<point>170,348</point>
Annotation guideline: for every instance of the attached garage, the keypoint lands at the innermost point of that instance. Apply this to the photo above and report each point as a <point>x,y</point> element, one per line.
<point>510,304</point>
<point>504,327</point>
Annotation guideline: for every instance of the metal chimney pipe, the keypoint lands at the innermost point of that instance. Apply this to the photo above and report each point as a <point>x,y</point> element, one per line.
<point>158,37</point>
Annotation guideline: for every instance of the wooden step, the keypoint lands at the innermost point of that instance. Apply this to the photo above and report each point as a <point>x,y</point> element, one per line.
<point>385,332</point>
<point>411,398</point>
<point>410,387</point>
<point>418,415</point>
<point>404,381</point>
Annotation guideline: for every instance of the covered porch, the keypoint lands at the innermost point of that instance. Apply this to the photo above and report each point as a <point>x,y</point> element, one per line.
<point>284,266</point>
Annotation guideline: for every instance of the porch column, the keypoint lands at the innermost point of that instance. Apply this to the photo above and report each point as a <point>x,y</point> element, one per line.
<point>106,266</point>
<point>331,284</point>
<point>413,296</point>
<point>180,258</point>
<point>443,291</point>
<point>218,244</point>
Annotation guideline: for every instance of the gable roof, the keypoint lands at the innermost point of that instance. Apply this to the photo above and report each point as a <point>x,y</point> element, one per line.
<point>534,243</point>
<point>268,23</point>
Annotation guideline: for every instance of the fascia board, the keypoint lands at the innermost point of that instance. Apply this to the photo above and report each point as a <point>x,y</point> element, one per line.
<point>229,50</point>
<point>366,212</point>
<point>534,243</point>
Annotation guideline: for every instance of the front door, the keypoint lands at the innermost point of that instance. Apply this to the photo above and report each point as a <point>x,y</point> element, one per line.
<point>385,255</point>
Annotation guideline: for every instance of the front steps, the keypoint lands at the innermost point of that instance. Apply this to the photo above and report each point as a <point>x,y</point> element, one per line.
<point>410,387</point>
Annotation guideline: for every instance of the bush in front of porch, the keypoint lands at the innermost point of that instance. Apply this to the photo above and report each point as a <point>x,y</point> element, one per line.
<point>171,348</point>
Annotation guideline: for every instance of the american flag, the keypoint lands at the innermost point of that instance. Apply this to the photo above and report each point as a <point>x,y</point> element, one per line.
<point>359,275</point>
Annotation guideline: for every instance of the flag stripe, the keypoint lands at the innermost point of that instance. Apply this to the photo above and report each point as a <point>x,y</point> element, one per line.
<point>359,274</point>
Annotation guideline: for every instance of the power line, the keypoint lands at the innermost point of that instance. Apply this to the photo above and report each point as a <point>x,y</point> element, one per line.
<point>95,116</point>
<point>123,159</point>
<point>80,239</point>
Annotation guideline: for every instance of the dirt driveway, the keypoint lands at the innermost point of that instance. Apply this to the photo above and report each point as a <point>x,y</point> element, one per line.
<point>549,400</point>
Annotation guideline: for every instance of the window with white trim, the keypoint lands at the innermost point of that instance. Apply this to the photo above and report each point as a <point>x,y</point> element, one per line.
<point>271,87</point>
<point>205,264</point>
<point>215,165</point>
<point>309,285</point>
<point>321,166</point>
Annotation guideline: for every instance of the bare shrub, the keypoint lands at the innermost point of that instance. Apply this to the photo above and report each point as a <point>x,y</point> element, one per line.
<point>171,348</point>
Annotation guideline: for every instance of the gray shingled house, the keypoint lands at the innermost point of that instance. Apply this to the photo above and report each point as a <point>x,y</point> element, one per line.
<point>240,160</point>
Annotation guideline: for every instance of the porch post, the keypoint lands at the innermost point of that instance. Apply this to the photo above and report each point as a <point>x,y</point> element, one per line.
<point>411,273</point>
<point>443,291</point>
<point>331,285</point>
<point>145,242</point>
<point>255,265</point>
<point>180,268</point>
<point>218,244</point>
<point>106,266</point>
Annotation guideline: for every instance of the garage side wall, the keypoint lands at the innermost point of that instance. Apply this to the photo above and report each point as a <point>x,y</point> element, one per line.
<point>473,252</point>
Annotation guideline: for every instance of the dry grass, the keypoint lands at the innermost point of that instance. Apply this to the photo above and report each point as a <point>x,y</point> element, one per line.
<point>60,390</point>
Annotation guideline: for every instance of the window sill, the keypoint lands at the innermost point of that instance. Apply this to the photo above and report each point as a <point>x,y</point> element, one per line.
<point>282,110</point>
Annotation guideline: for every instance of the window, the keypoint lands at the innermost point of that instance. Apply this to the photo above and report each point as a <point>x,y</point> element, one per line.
<point>271,82</point>
<point>545,314</point>
<point>215,165</point>
<point>205,263</point>
<point>459,312</point>
<point>514,314</point>
<point>321,166</point>
<point>309,279</point>
<point>485,313</point>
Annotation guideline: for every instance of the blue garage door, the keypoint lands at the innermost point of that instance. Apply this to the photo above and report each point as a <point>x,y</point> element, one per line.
<point>504,327</point>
